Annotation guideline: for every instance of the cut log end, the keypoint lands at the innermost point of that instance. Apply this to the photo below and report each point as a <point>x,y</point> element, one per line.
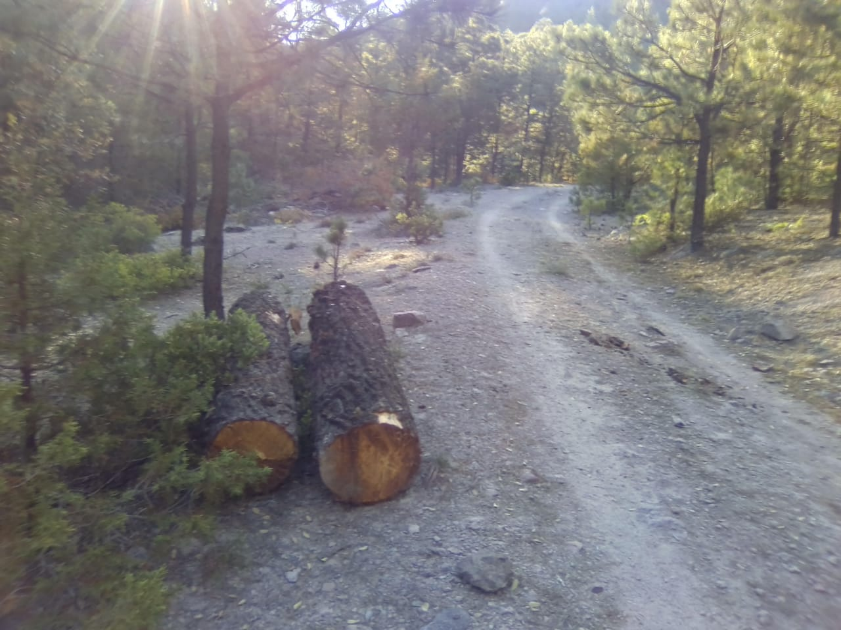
<point>274,447</point>
<point>371,463</point>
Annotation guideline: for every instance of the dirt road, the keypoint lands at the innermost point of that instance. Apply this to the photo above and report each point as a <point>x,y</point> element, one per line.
<point>656,487</point>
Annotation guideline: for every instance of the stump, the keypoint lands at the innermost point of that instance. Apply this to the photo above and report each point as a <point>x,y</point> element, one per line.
<point>255,414</point>
<point>365,438</point>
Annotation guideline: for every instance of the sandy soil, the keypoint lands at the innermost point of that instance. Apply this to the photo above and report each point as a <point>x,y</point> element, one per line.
<point>658,487</point>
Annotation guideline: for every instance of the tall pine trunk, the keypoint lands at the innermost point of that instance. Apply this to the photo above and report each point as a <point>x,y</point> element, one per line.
<point>191,160</point>
<point>696,236</point>
<point>835,209</point>
<point>461,154</point>
<point>217,207</point>
<point>494,155</point>
<point>220,165</point>
<point>305,138</point>
<point>526,128</point>
<point>673,202</point>
<point>705,135</point>
<point>26,397</point>
<point>433,161</point>
<point>775,161</point>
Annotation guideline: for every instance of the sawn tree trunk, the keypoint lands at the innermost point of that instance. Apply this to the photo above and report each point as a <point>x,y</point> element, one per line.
<point>256,412</point>
<point>367,446</point>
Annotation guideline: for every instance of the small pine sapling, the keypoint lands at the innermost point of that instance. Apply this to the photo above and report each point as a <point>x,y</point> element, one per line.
<point>472,187</point>
<point>336,237</point>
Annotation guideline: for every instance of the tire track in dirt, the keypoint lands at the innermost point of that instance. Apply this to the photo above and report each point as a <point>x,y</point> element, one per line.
<point>717,499</point>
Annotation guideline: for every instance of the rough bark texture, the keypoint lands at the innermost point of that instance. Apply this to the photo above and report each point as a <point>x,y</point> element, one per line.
<point>775,162</point>
<point>191,194</point>
<point>368,449</point>
<point>835,209</point>
<point>220,160</point>
<point>256,413</point>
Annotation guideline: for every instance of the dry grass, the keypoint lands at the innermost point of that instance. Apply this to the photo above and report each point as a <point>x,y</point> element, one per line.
<point>555,267</point>
<point>290,216</point>
<point>777,263</point>
<point>454,213</point>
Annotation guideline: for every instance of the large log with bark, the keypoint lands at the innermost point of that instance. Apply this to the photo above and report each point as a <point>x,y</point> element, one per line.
<point>255,414</point>
<point>365,438</point>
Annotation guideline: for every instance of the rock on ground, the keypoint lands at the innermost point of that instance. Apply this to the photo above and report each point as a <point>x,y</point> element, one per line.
<point>408,319</point>
<point>486,571</point>
<point>450,619</point>
<point>778,330</point>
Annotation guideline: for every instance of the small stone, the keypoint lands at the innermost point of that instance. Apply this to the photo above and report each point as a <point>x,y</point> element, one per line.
<point>576,545</point>
<point>421,268</point>
<point>292,576</point>
<point>529,476</point>
<point>778,330</point>
<point>189,547</point>
<point>408,319</point>
<point>231,229</point>
<point>679,424</point>
<point>450,619</point>
<point>138,553</point>
<point>486,571</point>
<point>414,529</point>
<point>735,334</point>
<point>763,367</point>
<point>597,589</point>
<point>328,587</point>
<point>764,618</point>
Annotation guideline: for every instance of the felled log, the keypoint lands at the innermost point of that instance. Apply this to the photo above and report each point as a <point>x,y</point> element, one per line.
<point>255,414</point>
<point>365,438</point>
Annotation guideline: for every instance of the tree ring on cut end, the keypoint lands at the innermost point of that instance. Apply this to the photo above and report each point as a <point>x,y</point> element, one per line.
<point>274,447</point>
<point>370,463</point>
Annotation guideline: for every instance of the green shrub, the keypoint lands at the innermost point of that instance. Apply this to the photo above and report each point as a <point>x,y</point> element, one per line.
<point>510,177</point>
<point>113,468</point>
<point>592,206</point>
<point>421,226</point>
<point>113,275</point>
<point>647,237</point>
<point>243,188</point>
<point>128,230</point>
<point>455,213</point>
<point>735,194</point>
